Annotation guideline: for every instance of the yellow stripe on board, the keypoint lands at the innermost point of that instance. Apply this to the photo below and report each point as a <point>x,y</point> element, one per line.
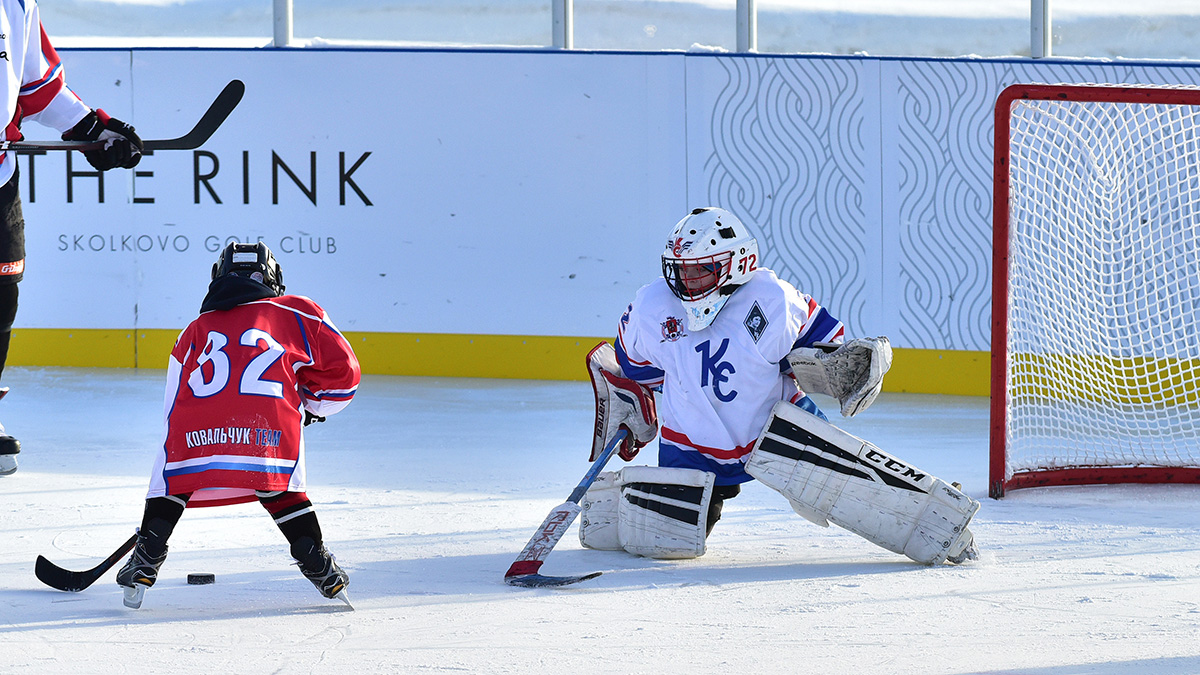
<point>496,356</point>
<point>935,371</point>
<point>922,371</point>
<point>76,348</point>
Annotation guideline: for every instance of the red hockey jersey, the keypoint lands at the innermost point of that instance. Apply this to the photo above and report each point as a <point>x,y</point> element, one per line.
<point>238,383</point>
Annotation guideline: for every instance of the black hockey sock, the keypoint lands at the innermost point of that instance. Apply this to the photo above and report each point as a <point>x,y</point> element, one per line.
<point>293,514</point>
<point>719,494</point>
<point>8,314</point>
<point>159,520</point>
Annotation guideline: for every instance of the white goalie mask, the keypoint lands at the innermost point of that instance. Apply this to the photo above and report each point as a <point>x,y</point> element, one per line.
<point>709,254</point>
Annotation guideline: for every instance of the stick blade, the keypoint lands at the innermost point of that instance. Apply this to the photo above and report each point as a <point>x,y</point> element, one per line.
<point>212,118</point>
<point>543,581</point>
<point>56,577</point>
<point>66,580</point>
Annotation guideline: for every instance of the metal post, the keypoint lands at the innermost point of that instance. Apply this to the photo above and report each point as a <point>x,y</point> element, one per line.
<point>1039,29</point>
<point>747,26</point>
<point>563,12</point>
<point>283,23</point>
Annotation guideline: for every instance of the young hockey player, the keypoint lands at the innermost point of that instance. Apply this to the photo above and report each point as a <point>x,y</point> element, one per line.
<point>242,382</point>
<point>732,348</point>
<point>36,89</point>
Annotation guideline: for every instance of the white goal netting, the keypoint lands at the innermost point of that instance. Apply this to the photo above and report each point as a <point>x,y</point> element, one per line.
<point>1104,285</point>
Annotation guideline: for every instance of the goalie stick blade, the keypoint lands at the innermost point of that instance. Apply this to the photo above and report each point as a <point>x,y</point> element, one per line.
<point>66,580</point>
<point>530,560</point>
<point>543,581</point>
<point>209,122</point>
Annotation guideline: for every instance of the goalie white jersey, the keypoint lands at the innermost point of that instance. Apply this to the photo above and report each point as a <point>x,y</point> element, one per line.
<point>719,383</point>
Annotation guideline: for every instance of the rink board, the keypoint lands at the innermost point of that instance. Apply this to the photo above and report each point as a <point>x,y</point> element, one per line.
<point>483,211</point>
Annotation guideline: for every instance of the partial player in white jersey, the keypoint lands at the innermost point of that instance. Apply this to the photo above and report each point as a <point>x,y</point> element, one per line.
<point>35,89</point>
<point>726,341</point>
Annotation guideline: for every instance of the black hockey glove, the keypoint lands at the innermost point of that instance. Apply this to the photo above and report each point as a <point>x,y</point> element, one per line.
<point>122,147</point>
<point>310,418</point>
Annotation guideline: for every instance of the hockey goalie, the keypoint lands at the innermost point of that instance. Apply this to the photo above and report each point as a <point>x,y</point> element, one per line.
<point>734,351</point>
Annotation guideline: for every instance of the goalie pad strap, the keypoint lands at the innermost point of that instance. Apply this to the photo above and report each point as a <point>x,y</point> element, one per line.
<point>830,475</point>
<point>852,373</point>
<point>620,402</point>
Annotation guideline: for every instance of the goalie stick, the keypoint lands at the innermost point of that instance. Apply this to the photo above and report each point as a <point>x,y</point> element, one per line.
<point>524,571</point>
<point>216,114</point>
<point>65,580</point>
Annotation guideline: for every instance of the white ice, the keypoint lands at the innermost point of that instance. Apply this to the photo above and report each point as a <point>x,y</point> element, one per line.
<point>428,488</point>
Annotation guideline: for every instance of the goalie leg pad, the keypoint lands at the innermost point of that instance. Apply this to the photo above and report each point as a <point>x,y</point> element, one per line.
<point>663,511</point>
<point>598,514</point>
<point>830,475</point>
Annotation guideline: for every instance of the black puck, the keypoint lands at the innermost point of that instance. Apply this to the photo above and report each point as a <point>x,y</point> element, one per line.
<point>201,579</point>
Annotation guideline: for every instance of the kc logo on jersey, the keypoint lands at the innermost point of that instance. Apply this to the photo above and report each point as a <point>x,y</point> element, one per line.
<point>756,322</point>
<point>672,329</point>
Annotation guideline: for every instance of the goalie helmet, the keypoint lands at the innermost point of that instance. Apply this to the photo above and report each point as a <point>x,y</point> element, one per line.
<point>709,255</point>
<point>252,261</point>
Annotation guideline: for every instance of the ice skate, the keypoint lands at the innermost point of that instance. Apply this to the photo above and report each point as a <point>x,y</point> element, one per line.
<point>320,568</point>
<point>9,447</point>
<point>139,573</point>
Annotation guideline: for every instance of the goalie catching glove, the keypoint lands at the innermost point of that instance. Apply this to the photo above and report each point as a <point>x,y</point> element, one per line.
<point>852,373</point>
<point>620,402</point>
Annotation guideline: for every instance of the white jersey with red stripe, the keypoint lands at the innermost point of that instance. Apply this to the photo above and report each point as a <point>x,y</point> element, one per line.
<point>719,383</point>
<point>238,382</point>
<point>34,84</point>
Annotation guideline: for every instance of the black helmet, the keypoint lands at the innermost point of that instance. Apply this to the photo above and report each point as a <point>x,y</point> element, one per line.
<point>252,261</point>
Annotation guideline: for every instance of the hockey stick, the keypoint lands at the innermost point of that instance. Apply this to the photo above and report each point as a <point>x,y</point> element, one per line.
<point>220,109</point>
<point>65,580</point>
<point>524,571</point>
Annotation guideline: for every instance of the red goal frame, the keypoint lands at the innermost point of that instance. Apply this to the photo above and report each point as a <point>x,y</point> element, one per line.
<point>997,483</point>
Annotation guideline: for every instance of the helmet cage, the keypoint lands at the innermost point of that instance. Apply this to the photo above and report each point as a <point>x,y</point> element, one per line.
<point>709,254</point>
<point>692,279</point>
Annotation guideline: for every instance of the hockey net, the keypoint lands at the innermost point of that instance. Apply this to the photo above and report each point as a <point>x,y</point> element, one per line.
<point>1096,286</point>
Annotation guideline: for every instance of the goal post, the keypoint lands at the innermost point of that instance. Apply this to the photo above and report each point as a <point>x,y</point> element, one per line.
<point>1095,286</point>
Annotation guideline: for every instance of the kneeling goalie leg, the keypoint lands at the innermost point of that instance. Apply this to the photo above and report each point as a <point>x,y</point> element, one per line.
<point>830,475</point>
<point>656,512</point>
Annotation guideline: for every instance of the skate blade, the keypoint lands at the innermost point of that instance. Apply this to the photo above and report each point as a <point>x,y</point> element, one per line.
<point>341,595</point>
<point>8,465</point>
<point>133,595</point>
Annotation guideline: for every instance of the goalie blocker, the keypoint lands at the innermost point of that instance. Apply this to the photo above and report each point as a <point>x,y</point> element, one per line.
<point>829,476</point>
<point>621,403</point>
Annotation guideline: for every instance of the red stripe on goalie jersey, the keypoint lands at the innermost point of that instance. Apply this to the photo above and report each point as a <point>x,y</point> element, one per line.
<point>243,376</point>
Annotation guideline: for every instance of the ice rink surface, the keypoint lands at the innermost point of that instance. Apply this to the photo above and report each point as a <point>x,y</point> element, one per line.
<point>428,488</point>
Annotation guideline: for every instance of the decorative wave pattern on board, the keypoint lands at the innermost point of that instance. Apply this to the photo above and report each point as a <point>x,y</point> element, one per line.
<point>788,157</point>
<point>944,146</point>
